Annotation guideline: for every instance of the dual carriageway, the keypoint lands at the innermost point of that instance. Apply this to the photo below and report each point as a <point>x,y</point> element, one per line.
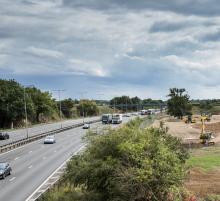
<point>33,163</point>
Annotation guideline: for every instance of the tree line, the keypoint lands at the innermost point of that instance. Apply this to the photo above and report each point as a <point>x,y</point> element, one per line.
<point>125,103</point>
<point>40,105</point>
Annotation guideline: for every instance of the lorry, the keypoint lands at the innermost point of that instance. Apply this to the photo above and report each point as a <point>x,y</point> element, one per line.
<point>107,118</point>
<point>147,112</point>
<point>117,118</point>
<point>143,112</point>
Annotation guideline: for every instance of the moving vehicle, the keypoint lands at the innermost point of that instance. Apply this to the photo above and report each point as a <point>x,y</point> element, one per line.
<point>151,111</point>
<point>146,112</point>
<point>117,118</point>
<point>50,139</point>
<point>86,126</point>
<point>126,115</point>
<point>107,118</point>
<point>4,136</point>
<point>5,170</point>
<point>143,112</point>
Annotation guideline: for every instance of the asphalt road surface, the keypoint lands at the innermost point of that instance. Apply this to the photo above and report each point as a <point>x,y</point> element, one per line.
<point>19,134</point>
<point>33,163</point>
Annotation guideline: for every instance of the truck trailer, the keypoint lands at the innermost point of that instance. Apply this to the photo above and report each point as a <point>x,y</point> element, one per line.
<point>107,118</point>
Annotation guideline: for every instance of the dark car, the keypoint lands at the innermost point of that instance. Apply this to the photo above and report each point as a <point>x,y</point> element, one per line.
<point>4,136</point>
<point>5,170</point>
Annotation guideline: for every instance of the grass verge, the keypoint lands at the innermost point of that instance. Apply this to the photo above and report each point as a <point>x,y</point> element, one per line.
<point>207,158</point>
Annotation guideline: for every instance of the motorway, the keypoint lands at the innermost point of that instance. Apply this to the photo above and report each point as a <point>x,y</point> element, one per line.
<point>19,134</point>
<point>33,163</point>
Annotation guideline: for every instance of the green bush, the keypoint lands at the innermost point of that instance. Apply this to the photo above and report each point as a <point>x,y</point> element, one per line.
<point>127,164</point>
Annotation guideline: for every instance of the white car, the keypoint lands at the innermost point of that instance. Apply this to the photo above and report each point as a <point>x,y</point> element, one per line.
<point>50,139</point>
<point>86,126</point>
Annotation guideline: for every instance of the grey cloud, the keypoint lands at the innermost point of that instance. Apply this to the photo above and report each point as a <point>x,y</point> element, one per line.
<point>41,52</point>
<point>211,37</point>
<point>80,33</point>
<point>197,7</point>
<point>164,26</point>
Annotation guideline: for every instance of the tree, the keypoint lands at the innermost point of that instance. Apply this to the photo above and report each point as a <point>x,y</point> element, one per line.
<point>179,104</point>
<point>206,105</point>
<point>125,103</point>
<point>89,108</point>
<point>12,103</point>
<point>68,108</point>
<point>44,104</point>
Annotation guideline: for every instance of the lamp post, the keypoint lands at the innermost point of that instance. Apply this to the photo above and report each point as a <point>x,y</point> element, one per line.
<point>60,106</point>
<point>99,95</point>
<point>114,105</point>
<point>83,109</point>
<point>25,110</point>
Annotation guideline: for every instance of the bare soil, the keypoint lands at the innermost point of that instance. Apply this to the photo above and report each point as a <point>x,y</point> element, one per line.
<point>191,132</point>
<point>202,183</point>
<point>199,182</point>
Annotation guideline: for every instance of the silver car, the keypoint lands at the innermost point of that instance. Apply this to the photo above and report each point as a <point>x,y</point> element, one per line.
<point>5,170</point>
<point>50,139</point>
<point>86,126</point>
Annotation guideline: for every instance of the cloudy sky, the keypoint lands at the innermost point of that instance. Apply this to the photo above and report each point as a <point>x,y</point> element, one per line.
<point>112,47</point>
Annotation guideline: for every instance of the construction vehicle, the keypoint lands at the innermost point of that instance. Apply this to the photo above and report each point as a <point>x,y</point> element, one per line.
<point>189,119</point>
<point>207,116</point>
<point>205,136</point>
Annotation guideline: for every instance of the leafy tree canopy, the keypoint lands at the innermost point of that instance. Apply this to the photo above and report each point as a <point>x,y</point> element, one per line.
<point>179,104</point>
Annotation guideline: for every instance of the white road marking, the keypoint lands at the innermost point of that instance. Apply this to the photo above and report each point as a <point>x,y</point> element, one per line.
<point>30,152</point>
<point>17,158</point>
<point>38,189</point>
<point>56,177</point>
<point>34,141</point>
<point>55,151</point>
<point>13,178</point>
<point>30,167</point>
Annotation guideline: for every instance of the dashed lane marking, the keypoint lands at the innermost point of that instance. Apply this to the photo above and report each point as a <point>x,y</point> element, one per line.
<point>13,178</point>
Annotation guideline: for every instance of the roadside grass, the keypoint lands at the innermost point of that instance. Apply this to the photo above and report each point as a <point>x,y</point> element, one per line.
<point>207,158</point>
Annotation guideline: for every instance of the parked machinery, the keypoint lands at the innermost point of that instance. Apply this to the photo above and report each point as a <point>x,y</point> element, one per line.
<point>189,119</point>
<point>205,136</point>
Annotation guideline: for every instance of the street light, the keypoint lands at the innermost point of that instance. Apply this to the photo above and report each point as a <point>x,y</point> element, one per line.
<point>25,109</point>
<point>60,106</point>
<point>82,96</point>
<point>99,95</point>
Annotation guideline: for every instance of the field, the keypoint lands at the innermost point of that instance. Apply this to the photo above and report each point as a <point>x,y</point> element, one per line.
<point>204,172</point>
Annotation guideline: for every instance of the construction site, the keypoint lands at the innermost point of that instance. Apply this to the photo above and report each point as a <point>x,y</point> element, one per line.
<point>200,134</point>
